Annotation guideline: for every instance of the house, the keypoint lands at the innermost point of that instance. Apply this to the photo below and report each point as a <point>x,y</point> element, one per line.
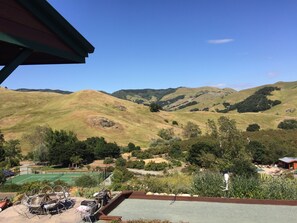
<point>288,162</point>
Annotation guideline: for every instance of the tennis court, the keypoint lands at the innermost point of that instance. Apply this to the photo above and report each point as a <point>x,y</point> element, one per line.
<point>69,178</point>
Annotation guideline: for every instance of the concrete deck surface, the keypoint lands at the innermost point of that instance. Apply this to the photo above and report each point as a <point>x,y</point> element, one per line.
<point>204,212</point>
<point>10,215</point>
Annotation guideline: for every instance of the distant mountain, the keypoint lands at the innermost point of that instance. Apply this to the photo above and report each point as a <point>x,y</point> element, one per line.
<point>44,90</point>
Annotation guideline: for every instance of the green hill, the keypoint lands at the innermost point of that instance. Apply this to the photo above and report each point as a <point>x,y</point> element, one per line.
<point>92,113</point>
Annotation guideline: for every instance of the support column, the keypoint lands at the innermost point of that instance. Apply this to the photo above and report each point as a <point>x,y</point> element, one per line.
<point>9,68</point>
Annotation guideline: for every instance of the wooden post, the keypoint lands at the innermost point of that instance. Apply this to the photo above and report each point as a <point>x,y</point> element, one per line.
<point>9,68</point>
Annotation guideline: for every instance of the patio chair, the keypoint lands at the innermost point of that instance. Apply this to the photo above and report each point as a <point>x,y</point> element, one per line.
<point>88,210</point>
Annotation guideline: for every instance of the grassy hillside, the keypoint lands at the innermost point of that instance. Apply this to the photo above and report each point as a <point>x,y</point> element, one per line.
<point>204,97</point>
<point>211,98</point>
<point>91,113</point>
<point>172,99</point>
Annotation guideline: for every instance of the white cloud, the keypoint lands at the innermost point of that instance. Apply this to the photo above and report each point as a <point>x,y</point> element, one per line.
<point>220,85</point>
<point>220,41</point>
<point>237,86</point>
<point>273,74</point>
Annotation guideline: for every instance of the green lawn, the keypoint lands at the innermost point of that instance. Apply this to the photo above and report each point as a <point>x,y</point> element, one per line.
<point>69,178</point>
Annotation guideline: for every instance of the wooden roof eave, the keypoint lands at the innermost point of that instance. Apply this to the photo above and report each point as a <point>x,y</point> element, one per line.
<point>60,26</point>
<point>38,47</point>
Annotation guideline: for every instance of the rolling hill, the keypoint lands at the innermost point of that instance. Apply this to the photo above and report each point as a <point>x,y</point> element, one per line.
<point>209,98</point>
<point>91,113</point>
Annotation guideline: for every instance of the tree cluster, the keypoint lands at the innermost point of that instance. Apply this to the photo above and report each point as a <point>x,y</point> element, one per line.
<point>267,146</point>
<point>288,124</point>
<point>223,149</point>
<point>254,103</point>
<point>59,147</point>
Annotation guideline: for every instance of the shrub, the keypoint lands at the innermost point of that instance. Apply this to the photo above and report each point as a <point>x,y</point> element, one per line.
<point>34,187</point>
<point>110,169</point>
<point>10,188</point>
<point>173,183</point>
<point>120,175</point>
<point>278,188</point>
<point>208,184</point>
<point>175,152</point>
<point>155,166</point>
<point>137,164</point>
<point>154,107</point>
<point>176,163</point>
<point>253,128</point>
<point>166,134</point>
<point>243,167</point>
<point>174,122</point>
<point>191,130</point>
<point>131,147</point>
<point>86,181</point>
<point>108,160</point>
<point>141,154</point>
<point>245,187</point>
<point>120,162</point>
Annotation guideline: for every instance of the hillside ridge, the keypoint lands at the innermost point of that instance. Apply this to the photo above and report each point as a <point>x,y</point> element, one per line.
<point>92,113</point>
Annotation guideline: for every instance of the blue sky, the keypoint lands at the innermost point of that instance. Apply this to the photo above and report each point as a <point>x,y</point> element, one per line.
<point>172,43</point>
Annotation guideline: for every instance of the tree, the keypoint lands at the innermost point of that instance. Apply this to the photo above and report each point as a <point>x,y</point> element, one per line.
<point>166,134</point>
<point>37,136</point>
<point>60,145</point>
<point>12,153</point>
<point>96,144</point>
<point>222,148</point>
<point>83,151</point>
<point>2,152</point>
<point>41,153</point>
<point>213,129</point>
<point>191,130</point>
<point>2,177</point>
<point>175,151</point>
<point>232,144</point>
<point>199,149</point>
<point>76,160</point>
<point>108,150</point>
<point>253,128</point>
<point>243,167</point>
<point>258,151</point>
<point>154,107</point>
<point>288,124</point>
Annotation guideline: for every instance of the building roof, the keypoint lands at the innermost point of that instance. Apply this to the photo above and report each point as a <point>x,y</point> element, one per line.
<point>137,205</point>
<point>288,159</point>
<point>33,32</point>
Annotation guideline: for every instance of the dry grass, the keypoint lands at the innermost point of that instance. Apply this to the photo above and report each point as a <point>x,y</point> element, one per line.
<point>20,112</point>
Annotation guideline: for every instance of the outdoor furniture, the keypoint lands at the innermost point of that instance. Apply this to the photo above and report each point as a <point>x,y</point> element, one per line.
<point>88,210</point>
<point>47,202</point>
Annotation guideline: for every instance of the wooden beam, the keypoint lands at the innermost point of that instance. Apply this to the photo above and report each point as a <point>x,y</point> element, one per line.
<point>9,68</point>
